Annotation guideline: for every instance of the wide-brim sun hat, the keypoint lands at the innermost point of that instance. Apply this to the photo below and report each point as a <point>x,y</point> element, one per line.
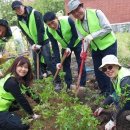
<point>73,4</point>
<point>109,60</point>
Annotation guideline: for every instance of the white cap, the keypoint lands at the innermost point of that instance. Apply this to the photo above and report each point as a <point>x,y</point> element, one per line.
<point>109,60</point>
<point>73,4</point>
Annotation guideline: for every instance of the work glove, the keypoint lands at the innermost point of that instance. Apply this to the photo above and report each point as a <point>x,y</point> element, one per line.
<point>98,111</point>
<point>58,66</point>
<point>36,47</point>
<point>87,41</point>
<point>67,51</point>
<point>128,117</point>
<point>1,74</point>
<point>110,125</point>
<point>35,116</point>
<point>83,55</point>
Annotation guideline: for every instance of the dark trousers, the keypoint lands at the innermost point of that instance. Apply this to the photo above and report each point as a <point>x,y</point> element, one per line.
<point>67,69</point>
<point>10,121</point>
<point>46,53</point>
<point>103,81</point>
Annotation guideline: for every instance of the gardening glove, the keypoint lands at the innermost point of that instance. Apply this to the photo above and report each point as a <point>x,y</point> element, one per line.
<point>58,66</point>
<point>83,55</point>
<point>36,47</point>
<point>98,111</point>
<point>87,41</point>
<point>1,74</point>
<point>128,117</point>
<point>110,125</point>
<point>35,116</point>
<point>68,51</point>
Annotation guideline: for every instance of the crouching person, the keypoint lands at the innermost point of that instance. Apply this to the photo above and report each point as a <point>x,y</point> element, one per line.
<point>18,77</point>
<point>120,96</point>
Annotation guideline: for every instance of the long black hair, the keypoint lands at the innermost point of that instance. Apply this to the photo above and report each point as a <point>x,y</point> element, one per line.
<point>27,79</point>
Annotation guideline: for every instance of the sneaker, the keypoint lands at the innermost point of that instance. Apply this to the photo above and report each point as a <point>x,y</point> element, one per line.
<point>44,75</point>
<point>58,87</point>
<point>73,87</point>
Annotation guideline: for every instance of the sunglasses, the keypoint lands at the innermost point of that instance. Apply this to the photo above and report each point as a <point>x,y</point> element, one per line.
<point>109,67</point>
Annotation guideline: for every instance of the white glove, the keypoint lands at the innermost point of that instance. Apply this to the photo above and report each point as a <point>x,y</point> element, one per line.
<point>87,41</point>
<point>128,117</point>
<point>98,111</point>
<point>35,116</point>
<point>1,74</point>
<point>68,51</point>
<point>36,47</point>
<point>58,66</point>
<point>110,125</point>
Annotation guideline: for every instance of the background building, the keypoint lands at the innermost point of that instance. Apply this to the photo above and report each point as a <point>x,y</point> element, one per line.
<point>117,11</point>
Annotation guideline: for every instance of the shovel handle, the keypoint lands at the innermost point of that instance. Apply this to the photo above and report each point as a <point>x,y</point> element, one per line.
<point>81,67</point>
<point>62,61</point>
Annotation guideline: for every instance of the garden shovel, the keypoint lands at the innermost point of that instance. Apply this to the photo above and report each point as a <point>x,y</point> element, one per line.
<point>76,91</point>
<point>62,61</point>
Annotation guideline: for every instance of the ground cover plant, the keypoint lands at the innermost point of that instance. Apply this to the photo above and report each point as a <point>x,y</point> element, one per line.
<point>64,111</point>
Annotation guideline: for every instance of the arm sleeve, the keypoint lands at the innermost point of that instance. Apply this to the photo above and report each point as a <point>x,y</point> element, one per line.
<point>55,47</point>
<point>12,86</point>
<point>108,101</point>
<point>40,27</point>
<point>74,33</point>
<point>104,24</point>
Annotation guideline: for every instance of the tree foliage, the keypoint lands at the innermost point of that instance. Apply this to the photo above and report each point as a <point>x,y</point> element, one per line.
<point>6,12</point>
<point>40,5</point>
<point>47,5</point>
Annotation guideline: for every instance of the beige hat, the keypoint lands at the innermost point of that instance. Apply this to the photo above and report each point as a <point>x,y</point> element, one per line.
<point>73,4</point>
<point>108,60</point>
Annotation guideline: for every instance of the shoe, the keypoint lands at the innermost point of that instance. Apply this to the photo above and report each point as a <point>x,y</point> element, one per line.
<point>58,87</point>
<point>44,75</point>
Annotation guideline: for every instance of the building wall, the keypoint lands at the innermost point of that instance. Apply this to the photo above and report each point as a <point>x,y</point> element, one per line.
<point>117,11</point>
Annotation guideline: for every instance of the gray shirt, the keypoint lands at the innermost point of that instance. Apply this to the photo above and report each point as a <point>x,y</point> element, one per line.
<point>104,24</point>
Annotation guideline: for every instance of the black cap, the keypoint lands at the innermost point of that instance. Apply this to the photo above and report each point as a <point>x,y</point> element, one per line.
<point>3,22</point>
<point>16,4</point>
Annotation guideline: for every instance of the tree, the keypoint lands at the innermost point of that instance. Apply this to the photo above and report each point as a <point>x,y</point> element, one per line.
<point>47,5</point>
<point>6,12</point>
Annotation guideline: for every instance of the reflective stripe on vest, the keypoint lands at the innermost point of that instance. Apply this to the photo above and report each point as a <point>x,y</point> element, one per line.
<point>66,33</point>
<point>94,25</point>
<point>31,31</point>
<point>123,72</point>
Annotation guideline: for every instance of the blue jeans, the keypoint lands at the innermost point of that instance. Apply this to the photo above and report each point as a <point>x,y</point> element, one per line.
<point>46,53</point>
<point>10,121</point>
<point>104,82</point>
<point>67,69</point>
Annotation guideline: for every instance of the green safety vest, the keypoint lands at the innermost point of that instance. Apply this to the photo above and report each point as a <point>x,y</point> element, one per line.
<point>31,29</point>
<point>123,72</point>
<point>6,98</point>
<point>94,26</point>
<point>66,33</point>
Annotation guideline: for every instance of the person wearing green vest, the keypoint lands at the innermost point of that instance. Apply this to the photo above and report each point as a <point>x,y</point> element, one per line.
<point>31,23</point>
<point>120,92</point>
<point>62,30</point>
<point>94,28</point>
<point>13,86</point>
